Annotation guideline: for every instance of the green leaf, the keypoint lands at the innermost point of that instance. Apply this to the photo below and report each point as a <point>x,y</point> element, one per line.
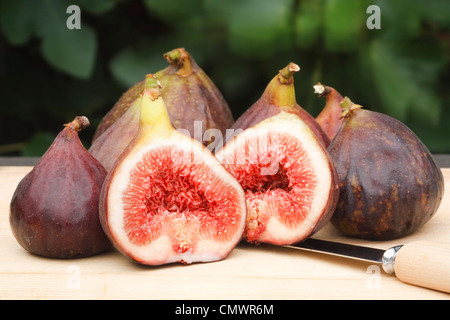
<point>72,51</point>
<point>308,23</point>
<point>259,28</point>
<point>437,11</point>
<point>344,24</point>
<point>174,12</point>
<point>406,78</point>
<point>17,20</point>
<point>97,6</point>
<point>133,63</point>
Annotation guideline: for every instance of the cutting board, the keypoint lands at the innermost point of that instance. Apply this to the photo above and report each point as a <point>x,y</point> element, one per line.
<point>249,272</point>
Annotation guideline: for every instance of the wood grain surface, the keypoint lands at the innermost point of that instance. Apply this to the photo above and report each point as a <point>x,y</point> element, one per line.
<point>249,272</point>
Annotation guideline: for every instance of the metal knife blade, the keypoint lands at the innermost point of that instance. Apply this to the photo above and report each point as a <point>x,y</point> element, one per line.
<point>384,257</point>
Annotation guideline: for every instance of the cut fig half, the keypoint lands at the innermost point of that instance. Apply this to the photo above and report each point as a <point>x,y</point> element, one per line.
<point>167,199</point>
<point>289,181</point>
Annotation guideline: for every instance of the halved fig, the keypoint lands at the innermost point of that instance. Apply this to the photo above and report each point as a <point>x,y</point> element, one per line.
<point>167,199</point>
<point>279,95</point>
<point>289,181</point>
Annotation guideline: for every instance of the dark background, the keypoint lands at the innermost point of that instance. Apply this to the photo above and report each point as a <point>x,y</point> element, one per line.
<point>49,74</point>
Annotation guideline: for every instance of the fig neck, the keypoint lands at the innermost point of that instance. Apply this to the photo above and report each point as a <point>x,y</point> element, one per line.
<point>78,124</point>
<point>154,117</point>
<point>181,60</point>
<point>322,90</point>
<point>348,108</point>
<point>280,90</point>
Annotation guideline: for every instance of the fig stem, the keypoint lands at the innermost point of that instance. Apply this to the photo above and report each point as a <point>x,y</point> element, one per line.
<point>287,73</point>
<point>79,123</point>
<point>348,107</point>
<point>152,86</point>
<point>321,90</point>
<point>181,59</point>
<point>154,115</point>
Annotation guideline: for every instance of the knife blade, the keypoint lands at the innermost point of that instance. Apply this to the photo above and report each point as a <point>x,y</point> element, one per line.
<point>419,263</point>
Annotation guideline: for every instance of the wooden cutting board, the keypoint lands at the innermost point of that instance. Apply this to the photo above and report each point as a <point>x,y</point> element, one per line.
<point>249,272</point>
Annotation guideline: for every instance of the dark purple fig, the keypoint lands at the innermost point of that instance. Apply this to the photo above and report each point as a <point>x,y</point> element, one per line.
<point>190,95</point>
<point>278,96</point>
<point>389,183</point>
<point>54,210</point>
<point>329,118</point>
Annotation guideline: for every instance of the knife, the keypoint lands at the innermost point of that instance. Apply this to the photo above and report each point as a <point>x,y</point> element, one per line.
<point>420,263</point>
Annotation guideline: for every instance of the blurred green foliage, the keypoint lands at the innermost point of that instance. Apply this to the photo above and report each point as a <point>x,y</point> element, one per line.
<point>49,74</point>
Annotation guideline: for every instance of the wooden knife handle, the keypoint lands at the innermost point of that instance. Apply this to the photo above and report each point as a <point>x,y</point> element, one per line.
<point>425,264</point>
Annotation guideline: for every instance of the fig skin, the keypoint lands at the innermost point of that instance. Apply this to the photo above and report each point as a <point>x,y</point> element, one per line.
<point>54,209</point>
<point>190,95</point>
<point>108,146</point>
<point>390,185</point>
<point>278,96</point>
<point>329,118</point>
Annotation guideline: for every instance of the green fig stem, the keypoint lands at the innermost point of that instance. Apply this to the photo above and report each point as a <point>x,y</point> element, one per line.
<point>79,123</point>
<point>181,59</point>
<point>287,74</point>
<point>152,86</point>
<point>154,116</point>
<point>348,107</point>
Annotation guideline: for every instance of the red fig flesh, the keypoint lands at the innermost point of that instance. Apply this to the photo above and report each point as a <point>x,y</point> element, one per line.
<point>167,198</point>
<point>54,210</point>
<point>289,181</point>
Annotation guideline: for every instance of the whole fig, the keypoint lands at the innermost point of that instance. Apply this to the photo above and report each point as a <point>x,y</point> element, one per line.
<point>190,95</point>
<point>194,103</point>
<point>54,209</point>
<point>389,183</point>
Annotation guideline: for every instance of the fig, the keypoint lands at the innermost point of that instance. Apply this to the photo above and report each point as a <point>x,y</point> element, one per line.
<point>54,209</point>
<point>390,185</point>
<point>167,199</point>
<point>329,118</point>
<point>109,145</point>
<point>279,95</point>
<point>195,105</point>
<point>290,183</point>
<point>193,101</point>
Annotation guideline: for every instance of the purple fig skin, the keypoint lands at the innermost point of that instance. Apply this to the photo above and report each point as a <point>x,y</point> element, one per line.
<point>329,118</point>
<point>54,209</point>
<point>390,185</point>
<point>278,96</point>
<point>190,95</point>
